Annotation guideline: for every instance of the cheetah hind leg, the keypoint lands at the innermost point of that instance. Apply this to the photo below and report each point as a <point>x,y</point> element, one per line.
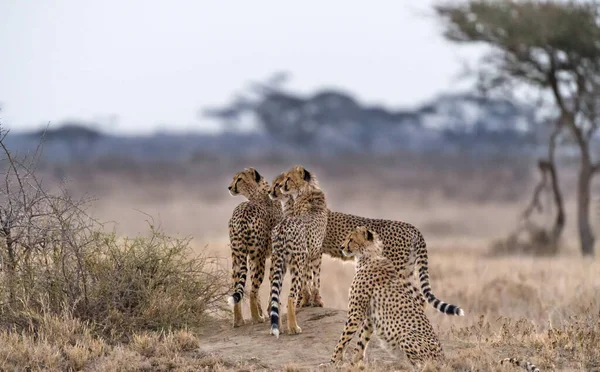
<point>256,309</point>
<point>238,319</point>
<point>304,295</point>
<point>316,300</point>
<point>257,267</point>
<point>304,298</point>
<point>298,283</point>
<point>293,327</point>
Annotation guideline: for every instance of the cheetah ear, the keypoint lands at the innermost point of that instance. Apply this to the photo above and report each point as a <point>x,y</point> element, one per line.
<point>257,176</point>
<point>307,175</point>
<point>369,235</point>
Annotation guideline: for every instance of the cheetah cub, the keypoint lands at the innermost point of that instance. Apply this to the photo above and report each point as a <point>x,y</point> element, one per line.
<point>381,302</point>
<point>250,238</point>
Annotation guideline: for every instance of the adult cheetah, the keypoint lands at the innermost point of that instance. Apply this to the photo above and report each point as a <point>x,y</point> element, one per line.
<point>294,241</point>
<point>309,204</point>
<point>250,229</point>
<point>403,244</point>
<point>383,302</point>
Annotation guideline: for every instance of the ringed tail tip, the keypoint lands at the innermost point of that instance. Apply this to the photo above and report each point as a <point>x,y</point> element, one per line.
<point>234,299</point>
<point>275,331</point>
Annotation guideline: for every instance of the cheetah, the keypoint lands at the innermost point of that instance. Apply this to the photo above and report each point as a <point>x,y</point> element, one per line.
<point>250,229</point>
<point>403,244</point>
<point>529,367</point>
<point>294,240</point>
<point>381,301</point>
<point>309,203</point>
<point>287,202</point>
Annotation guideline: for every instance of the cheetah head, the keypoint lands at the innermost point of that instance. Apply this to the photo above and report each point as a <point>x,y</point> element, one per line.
<point>297,179</point>
<point>247,183</point>
<point>360,242</point>
<point>275,189</point>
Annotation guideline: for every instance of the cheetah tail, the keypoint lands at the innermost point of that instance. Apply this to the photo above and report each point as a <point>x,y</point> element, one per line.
<point>421,260</point>
<point>239,247</point>
<point>277,261</point>
<point>529,367</point>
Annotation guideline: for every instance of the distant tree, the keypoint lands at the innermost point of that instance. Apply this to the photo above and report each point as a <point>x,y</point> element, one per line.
<point>550,45</point>
<point>300,119</point>
<point>231,115</point>
<point>335,118</point>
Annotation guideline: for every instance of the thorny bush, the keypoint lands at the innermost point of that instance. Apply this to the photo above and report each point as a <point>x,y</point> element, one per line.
<point>55,258</point>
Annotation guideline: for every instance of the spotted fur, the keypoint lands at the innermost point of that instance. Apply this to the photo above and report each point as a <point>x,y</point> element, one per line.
<point>289,251</point>
<point>402,243</point>
<point>250,229</point>
<point>295,239</point>
<point>310,206</point>
<point>382,302</point>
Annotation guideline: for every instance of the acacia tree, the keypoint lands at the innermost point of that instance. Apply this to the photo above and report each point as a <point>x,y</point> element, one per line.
<point>553,46</point>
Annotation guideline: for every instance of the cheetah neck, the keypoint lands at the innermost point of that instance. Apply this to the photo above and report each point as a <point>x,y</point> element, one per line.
<point>287,206</point>
<point>259,195</point>
<point>370,254</point>
<point>310,200</point>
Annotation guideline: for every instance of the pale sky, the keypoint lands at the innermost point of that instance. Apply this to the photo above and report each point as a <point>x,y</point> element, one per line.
<point>156,63</point>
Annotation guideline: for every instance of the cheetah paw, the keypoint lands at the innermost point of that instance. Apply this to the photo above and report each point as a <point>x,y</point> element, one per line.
<point>295,330</point>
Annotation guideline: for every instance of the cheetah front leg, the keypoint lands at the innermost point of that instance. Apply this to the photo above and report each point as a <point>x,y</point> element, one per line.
<point>364,336</point>
<point>355,318</point>
<point>257,267</point>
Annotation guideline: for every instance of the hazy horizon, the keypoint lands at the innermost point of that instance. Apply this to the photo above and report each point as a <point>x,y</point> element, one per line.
<point>151,65</point>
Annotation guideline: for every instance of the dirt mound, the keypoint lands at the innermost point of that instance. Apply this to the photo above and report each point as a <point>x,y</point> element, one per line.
<point>321,328</point>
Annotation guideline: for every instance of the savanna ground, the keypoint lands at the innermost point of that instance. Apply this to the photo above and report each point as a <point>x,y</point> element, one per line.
<point>543,309</point>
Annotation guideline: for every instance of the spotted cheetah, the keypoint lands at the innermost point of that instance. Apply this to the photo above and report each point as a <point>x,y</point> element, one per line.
<point>309,203</point>
<point>287,203</point>
<point>250,229</point>
<point>293,239</point>
<point>403,244</point>
<point>381,301</point>
<point>529,367</point>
